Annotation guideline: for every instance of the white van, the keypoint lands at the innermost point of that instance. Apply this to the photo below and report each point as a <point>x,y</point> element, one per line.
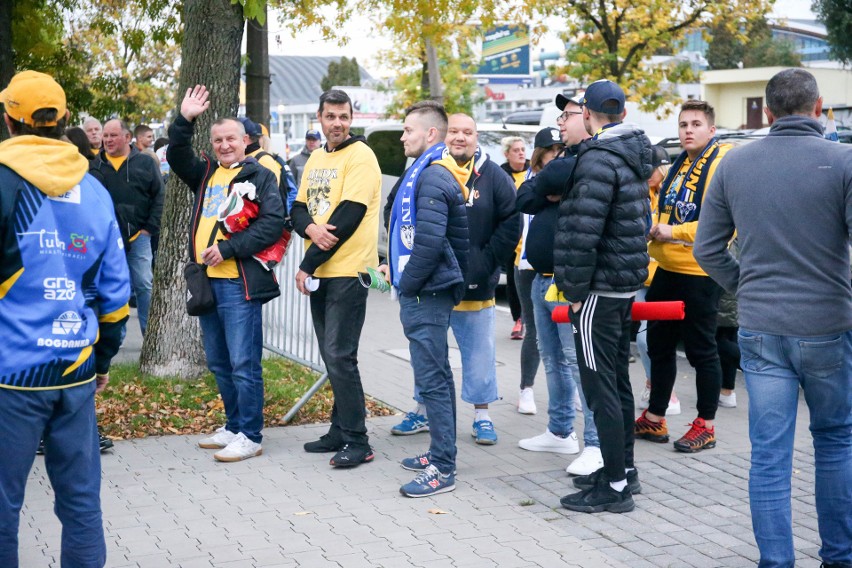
<point>385,141</point>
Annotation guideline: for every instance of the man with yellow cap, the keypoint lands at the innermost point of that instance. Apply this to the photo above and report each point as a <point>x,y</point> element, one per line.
<point>64,286</point>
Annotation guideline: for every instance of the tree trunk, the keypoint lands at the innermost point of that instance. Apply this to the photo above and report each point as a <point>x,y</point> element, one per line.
<point>7,55</point>
<point>210,55</point>
<point>257,71</point>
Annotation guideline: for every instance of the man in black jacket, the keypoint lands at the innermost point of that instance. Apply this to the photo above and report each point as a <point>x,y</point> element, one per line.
<point>600,261</point>
<point>233,332</point>
<point>429,272</point>
<point>136,186</point>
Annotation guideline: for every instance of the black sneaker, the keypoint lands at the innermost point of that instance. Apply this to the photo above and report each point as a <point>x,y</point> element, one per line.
<point>40,448</point>
<point>327,443</point>
<point>601,497</point>
<point>589,481</point>
<point>103,442</point>
<point>350,456</point>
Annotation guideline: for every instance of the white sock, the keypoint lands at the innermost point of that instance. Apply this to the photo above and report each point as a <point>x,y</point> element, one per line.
<point>629,469</point>
<point>420,409</point>
<point>618,485</point>
<point>481,414</point>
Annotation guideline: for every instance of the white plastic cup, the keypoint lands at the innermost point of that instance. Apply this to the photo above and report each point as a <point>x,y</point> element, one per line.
<point>312,284</point>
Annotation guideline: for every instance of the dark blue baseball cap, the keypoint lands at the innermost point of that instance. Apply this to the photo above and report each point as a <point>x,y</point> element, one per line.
<point>313,134</point>
<point>604,96</point>
<point>252,128</point>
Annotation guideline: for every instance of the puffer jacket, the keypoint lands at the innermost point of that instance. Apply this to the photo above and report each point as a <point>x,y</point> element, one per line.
<point>600,242</point>
<point>441,243</point>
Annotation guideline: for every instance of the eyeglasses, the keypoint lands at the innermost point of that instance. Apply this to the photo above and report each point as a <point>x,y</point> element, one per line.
<point>564,116</point>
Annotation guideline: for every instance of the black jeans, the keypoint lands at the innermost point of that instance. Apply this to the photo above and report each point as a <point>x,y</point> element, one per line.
<point>700,295</point>
<point>338,308</point>
<point>512,290</point>
<point>729,355</point>
<point>530,357</point>
<point>602,337</point>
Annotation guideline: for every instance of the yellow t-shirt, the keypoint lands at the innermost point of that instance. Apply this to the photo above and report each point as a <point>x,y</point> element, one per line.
<point>676,256</point>
<point>115,161</point>
<point>349,174</point>
<point>214,195</point>
<point>268,162</point>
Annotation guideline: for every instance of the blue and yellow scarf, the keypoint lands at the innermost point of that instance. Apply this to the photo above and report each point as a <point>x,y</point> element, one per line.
<point>681,194</point>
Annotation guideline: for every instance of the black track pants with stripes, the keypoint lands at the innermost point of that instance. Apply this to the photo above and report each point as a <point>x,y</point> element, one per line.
<point>602,337</point>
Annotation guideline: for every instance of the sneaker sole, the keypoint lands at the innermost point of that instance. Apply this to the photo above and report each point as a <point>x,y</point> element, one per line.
<point>624,507</point>
<point>691,450</point>
<point>654,438</point>
<point>483,442</point>
<point>436,492</point>
<point>410,432</point>
<point>367,459</point>
<point>634,489</point>
<point>527,411</point>
<point>551,450</point>
<point>236,459</point>
<point>211,446</point>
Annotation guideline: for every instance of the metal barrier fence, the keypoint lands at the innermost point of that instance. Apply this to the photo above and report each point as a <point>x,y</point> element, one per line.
<point>288,329</point>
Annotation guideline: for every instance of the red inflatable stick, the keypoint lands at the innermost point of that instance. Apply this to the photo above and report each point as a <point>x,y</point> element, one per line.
<point>641,311</point>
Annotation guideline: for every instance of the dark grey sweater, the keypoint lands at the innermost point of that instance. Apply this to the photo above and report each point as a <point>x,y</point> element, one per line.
<point>789,197</point>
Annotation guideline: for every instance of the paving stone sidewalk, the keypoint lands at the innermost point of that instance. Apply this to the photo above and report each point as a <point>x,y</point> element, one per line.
<point>168,503</point>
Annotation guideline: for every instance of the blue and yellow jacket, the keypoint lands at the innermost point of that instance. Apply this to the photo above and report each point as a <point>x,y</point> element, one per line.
<point>64,282</point>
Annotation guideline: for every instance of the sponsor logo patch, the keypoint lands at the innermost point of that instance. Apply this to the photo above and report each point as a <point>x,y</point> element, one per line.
<point>68,323</point>
<point>59,289</point>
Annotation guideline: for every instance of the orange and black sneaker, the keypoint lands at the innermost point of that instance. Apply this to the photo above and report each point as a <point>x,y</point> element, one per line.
<point>699,437</point>
<point>653,431</point>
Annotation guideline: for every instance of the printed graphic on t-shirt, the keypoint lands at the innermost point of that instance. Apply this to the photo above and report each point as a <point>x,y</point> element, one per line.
<point>213,199</point>
<point>319,190</point>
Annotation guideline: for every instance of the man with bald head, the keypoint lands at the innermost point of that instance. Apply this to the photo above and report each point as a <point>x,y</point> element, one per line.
<point>232,332</point>
<point>493,226</point>
<point>136,186</point>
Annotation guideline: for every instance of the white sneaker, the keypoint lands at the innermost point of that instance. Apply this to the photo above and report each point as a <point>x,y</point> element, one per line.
<point>728,400</point>
<point>673,407</point>
<point>589,461</point>
<point>241,448</point>
<point>578,404</point>
<point>526,401</point>
<point>220,438</point>
<point>644,399</point>
<point>549,442</point>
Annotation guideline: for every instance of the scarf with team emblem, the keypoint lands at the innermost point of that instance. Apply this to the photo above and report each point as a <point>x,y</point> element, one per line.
<point>404,213</point>
<point>681,194</point>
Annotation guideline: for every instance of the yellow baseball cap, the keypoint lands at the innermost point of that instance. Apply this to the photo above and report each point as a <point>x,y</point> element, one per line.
<point>29,91</point>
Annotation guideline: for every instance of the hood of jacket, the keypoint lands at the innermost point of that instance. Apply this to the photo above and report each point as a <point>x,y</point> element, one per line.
<point>627,141</point>
<point>51,165</point>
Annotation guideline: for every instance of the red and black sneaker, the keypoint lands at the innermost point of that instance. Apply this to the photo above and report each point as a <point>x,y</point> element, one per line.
<point>653,431</point>
<point>351,456</point>
<point>699,437</point>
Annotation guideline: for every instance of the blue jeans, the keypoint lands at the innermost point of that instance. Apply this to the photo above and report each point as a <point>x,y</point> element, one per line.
<point>66,420</point>
<point>474,333</point>
<point>233,342</point>
<point>425,321</point>
<point>775,367</point>
<point>139,259</point>
<point>559,355</point>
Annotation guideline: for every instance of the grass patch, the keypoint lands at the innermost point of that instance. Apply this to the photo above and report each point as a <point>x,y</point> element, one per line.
<point>136,405</point>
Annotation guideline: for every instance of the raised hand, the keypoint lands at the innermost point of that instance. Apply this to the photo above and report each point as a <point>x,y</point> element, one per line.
<point>194,102</point>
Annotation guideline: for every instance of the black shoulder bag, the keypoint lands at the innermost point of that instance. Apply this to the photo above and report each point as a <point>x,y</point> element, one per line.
<point>199,293</point>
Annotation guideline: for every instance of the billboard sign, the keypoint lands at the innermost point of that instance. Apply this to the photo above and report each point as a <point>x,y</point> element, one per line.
<point>506,52</point>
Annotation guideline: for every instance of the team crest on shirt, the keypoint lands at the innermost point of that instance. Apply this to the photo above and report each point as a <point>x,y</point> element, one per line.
<point>319,190</point>
<point>684,211</point>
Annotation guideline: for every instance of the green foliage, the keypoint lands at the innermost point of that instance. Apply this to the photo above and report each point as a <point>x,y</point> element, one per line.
<point>759,49</point>
<point>343,73</point>
<point>456,67</point>
<point>614,39</point>
<point>253,9</point>
<point>837,17</point>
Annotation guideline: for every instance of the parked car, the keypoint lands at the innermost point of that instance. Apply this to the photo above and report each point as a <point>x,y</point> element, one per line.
<point>385,141</point>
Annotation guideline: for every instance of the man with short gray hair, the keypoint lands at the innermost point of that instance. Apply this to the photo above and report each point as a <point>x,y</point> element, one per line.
<point>789,198</point>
